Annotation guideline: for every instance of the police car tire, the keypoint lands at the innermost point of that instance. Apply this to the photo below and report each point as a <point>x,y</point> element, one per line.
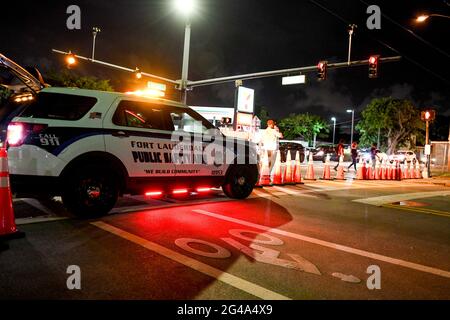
<point>240,181</point>
<point>75,197</point>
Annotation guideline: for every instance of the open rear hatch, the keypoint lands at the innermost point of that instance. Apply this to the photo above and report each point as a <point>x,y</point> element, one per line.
<point>18,79</point>
<point>24,85</point>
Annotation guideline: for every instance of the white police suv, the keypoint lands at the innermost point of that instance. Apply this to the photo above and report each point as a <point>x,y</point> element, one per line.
<point>90,147</point>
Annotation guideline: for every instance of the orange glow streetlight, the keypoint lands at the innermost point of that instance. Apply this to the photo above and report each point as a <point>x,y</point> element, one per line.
<point>425,17</point>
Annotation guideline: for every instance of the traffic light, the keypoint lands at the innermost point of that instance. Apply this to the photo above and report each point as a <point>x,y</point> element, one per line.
<point>138,74</point>
<point>373,67</point>
<point>428,115</point>
<point>322,69</point>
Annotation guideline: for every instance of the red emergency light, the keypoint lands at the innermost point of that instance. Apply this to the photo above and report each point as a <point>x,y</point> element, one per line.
<point>153,194</point>
<point>203,190</point>
<point>180,191</point>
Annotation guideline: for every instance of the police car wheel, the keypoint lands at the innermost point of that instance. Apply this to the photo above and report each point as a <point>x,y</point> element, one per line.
<point>240,181</point>
<point>91,192</point>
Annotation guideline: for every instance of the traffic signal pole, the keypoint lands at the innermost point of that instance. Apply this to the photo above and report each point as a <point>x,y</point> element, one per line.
<point>427,142</point>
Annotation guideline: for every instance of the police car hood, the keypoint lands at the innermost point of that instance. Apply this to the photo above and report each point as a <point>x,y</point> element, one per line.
<point>17,78</point>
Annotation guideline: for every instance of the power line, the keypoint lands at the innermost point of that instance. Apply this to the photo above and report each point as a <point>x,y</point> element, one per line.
<point>418,64</point>
<point>411,32</point>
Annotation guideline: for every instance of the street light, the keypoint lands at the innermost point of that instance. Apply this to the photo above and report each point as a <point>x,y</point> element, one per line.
<point>353,123</point>
<point>334,128</point>
<point>186,8</point>
<point>424,17</point>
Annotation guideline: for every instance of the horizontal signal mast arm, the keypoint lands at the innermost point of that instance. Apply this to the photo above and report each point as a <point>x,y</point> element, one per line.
<point>282,72</point>
<point>117,67</point>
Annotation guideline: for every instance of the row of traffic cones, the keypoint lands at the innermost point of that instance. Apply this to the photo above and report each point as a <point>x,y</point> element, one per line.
<point>8,228</point>
<point>290,175</point>
<point>388,171</point>
<point>292,171</point>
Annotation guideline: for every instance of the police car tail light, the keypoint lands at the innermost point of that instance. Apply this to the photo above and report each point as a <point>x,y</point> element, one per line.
<point>17,132</point>
<point>203,190</point>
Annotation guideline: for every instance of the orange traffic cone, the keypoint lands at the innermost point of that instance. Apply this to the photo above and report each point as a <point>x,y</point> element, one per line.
<point>288,173</point>
<point>326,169</point>
<point>412,172</point>
<point>298,169</point>
<point>377,170</point>
<point>369,172</point>
<point>8,228</point>
<point>407,171</point>
<point>276,171</point>
<point>383,169</point>
<point>340,174</point>
<point>395,171</point>
<point>310,170</point>
<point>361,170</point>
<point>399,172</point>
<point>264,177</point>
<point>418,171</point>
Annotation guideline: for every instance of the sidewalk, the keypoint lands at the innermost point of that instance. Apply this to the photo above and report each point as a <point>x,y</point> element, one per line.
<point>440,181</point>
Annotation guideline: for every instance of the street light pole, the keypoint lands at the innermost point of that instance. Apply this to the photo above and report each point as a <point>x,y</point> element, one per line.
<point>95,31</point>
<point>353,123</point>
<point>334,129</point>
<point>185,68</point>
<point>351,31</point>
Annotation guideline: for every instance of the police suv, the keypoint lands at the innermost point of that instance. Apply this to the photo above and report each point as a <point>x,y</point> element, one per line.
<point>90,147</point>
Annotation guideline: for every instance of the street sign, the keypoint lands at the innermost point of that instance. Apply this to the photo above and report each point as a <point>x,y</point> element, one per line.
<point>287,81</point>
<point>427,149</point>
<point>246,100</point>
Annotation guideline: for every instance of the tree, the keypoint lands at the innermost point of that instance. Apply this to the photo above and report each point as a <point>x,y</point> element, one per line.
<point>263,116</point>
<point>4,94</point>
<point>305,125</point>
<point>68,79</point>
<point>398,121</point>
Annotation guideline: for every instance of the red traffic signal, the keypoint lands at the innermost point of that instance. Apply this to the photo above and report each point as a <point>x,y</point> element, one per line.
<point>373,66</point>
<point>322,69</point>
<point>428,115</point>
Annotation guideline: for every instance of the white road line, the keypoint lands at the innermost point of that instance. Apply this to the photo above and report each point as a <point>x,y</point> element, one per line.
<point>367,254</point>
<point>379,201</point>
<point>215,273</point>
<point>23,221</point>
<point>294,193</point>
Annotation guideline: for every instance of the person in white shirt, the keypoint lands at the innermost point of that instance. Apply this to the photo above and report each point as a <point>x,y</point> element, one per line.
<point>270,141</point>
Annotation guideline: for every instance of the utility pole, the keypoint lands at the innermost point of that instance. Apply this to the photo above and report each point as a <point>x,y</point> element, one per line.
<point>351,31</point>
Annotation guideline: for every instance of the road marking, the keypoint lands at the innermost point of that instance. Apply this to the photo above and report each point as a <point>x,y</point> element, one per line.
<point>294,193</point>
<point>367,254</point>
<point>379,201</point>
<point>419,210</point>
<point>208,270</point>
<point>23,221</point>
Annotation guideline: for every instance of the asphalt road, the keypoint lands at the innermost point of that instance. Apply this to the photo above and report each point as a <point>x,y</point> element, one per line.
<point>312,241</point>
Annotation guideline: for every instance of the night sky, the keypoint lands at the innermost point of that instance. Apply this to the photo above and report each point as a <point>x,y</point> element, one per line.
<point>241,36</point>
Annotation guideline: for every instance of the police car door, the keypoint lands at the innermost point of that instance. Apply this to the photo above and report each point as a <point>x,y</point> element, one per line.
<point>140,134</point>
<point>197,132</point>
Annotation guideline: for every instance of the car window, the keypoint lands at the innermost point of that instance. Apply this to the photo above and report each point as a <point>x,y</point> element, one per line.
<point>189,121</point>
<point>59,106</point>
<point>142,115</point>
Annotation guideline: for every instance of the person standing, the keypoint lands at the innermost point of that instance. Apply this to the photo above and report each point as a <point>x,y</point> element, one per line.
<point>354,155</point>
<point>373,154</point>
<point>270,140</point>
<point>339,152</point>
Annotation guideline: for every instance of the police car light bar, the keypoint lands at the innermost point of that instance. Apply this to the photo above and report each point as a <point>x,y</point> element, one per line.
<point>203,190</point>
